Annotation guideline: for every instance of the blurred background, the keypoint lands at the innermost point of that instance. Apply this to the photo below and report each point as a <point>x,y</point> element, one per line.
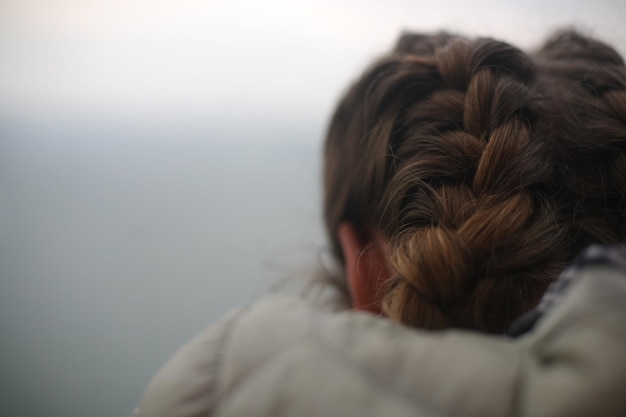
<point>159,164</point>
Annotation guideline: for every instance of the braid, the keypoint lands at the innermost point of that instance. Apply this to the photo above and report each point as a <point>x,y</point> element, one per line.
<point>482,186</point>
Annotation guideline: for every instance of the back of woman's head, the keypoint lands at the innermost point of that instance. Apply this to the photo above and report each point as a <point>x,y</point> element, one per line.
<point>483,170</point>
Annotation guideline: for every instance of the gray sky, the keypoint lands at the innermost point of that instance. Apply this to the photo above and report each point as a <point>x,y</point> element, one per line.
<point>183,61</point>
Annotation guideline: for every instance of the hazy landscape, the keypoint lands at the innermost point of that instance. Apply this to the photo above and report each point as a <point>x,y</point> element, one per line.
<point>119,244</point>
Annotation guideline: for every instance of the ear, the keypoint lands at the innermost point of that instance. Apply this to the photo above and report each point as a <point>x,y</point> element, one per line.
<point>366,269</point>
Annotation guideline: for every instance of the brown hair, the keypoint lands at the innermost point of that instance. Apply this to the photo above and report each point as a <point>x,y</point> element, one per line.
<point>484,169</point>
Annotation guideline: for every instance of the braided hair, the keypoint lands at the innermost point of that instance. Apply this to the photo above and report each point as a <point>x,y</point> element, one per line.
<point>483,169</point>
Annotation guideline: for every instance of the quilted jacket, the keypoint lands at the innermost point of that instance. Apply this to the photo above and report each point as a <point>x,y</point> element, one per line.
<point>282,357</point>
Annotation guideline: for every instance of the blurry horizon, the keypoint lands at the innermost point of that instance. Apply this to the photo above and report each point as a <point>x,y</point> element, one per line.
<point>160,164</point>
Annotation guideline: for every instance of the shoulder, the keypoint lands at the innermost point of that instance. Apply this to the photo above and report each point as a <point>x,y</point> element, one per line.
<point>278,351</point>
<point>281,357</point>
<point>197,376</point>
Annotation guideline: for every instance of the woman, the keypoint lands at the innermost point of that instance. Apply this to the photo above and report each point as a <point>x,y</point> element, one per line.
<point>461,178</point>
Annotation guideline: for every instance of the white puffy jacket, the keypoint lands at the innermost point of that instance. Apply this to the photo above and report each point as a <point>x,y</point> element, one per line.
<point>280,357</point>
